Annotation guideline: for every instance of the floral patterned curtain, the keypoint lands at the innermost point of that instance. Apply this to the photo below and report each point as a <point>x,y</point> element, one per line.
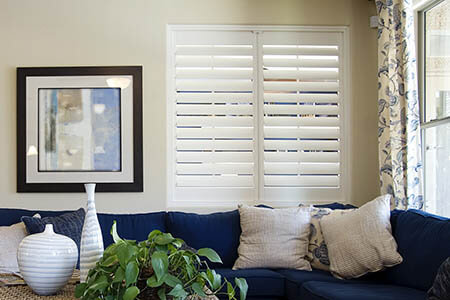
<point>399,121</point>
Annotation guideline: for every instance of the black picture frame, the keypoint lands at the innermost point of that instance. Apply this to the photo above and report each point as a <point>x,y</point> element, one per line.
<point>52,187</point>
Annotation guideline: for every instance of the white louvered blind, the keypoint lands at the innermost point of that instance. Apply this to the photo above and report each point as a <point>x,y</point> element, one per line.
<point>214,113</point>
<point>302,112</point>
<point>255,116</point>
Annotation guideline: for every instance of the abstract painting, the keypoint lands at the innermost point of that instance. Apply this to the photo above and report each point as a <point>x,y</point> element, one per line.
<point>78,125</point>
<point>79,129</point>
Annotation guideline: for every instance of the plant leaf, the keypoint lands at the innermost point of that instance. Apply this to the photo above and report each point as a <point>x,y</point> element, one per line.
<point>178,292</point>
<point>198,289</point>
<point>164,239</point>
<point>171,280</point>
<point>154,233</point>
<point>160,264</point>
<point>80,289</point>
<point>210,254</point>
<point>178,243</point>
<point>153,282</point>
<point>243,287</point>
<point>125,253</point>
<point>206,277</point>
<point>131,273</point>
<point>131,293</point>
<point>114,234</point>
<point>230,291</point>
<point>99,284</point>
<point>110,261</point>
<point>217,279</point>
<point>119,275</point>
<point>162,293</point>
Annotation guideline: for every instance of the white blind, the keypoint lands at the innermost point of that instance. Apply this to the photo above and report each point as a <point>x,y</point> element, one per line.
<point>302,111</point>
<point>214,109</point>
<point>255,116</point>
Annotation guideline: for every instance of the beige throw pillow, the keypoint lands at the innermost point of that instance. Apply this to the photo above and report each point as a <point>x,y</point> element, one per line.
<point>317,249</point>
<point>273,238</point>
<point>361,241</point>
<point>10,238</point>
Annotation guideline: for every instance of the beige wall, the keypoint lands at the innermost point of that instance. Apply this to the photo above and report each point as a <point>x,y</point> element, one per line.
<point>132,32</point>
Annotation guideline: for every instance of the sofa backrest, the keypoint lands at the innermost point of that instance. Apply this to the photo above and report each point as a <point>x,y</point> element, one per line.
<point>131,226</point>
<point>219,231</point>
<point>423,241</point>
<point>10,216</point>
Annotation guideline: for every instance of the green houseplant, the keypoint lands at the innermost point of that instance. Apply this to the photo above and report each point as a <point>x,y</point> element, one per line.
<point>161,267</point>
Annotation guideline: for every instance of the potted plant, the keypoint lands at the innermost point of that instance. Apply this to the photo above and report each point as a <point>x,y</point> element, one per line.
<point>161,267</point>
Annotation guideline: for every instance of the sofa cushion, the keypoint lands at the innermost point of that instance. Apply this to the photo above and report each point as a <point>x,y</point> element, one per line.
<point>424,243</point>
<point>296,278</point>
<point>315,290</point>
<point>219,231</point>
<point>10,216</point>
<point>131,226</point>
<point>261,282</point>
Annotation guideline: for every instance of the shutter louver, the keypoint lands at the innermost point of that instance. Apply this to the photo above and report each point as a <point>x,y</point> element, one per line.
<point>214,110</point>
<point>302,111</point>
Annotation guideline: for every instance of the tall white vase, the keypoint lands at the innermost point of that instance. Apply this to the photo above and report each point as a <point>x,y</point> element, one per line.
<point>91,249</point>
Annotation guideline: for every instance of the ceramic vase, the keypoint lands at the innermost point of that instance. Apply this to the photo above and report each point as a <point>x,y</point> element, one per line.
<point>47,260</point>
<point>91,248</point>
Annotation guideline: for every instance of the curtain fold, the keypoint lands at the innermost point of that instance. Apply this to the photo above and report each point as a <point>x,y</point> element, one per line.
<point>399,121</point>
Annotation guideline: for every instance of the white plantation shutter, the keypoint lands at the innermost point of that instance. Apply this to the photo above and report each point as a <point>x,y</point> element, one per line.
<point>213,98</point>
<point>255,116</point>
<point>302,115</point>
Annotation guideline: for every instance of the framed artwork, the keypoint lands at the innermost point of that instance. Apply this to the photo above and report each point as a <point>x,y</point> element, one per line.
<point>77,125</point>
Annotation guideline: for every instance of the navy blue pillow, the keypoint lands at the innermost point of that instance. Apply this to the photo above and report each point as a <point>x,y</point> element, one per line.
<point>218,231</point>
<point>131,227</point>
<point>68,224</point>
<point>423,241</point>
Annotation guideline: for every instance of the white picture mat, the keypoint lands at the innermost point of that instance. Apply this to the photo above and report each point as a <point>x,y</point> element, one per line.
<point>33,83</point>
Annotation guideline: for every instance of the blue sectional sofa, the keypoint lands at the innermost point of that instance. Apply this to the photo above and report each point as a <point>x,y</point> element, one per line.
<point>423,241</point>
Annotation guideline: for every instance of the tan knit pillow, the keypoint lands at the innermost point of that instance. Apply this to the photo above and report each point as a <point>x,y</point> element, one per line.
<point>361,241</point>
<point>273,238</point>
<point>317,249</point>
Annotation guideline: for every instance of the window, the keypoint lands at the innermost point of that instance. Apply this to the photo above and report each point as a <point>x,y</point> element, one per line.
<point>255,114</point>
<point>434,59</point>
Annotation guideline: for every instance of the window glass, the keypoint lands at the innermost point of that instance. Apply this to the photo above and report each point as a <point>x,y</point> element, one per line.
<point>437,170</point>
<point>437,62</point>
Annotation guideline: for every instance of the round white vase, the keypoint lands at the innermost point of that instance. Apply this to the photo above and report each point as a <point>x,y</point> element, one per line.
<point>91,248</point>
<point>47,260</point>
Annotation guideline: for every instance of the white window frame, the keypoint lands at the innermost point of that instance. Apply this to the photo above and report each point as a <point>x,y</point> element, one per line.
<point>346,121</point>
<point>419,13</point>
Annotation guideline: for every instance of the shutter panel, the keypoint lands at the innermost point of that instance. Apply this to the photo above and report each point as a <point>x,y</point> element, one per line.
<point>213,94</point>
<point>302,113</point>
